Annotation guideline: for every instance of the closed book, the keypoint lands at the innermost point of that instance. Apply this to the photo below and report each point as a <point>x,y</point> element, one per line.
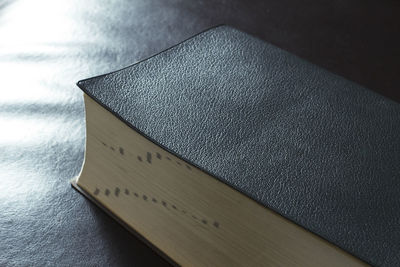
<point>226,150</point>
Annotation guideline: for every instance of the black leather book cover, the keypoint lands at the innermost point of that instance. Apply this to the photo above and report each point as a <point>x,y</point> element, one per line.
<point>314,147</point>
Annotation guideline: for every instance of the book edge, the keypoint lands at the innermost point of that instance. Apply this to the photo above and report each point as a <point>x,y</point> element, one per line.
<point>80,190</point>
<point>87,195</point>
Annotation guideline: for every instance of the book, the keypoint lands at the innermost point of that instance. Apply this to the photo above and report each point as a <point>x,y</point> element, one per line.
<point>225,150</point>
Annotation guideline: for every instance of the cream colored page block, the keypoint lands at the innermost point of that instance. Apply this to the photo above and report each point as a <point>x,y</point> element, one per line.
<point>192,217</point>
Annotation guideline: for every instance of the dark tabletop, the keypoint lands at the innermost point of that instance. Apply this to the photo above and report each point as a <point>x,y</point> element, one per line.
<point>47,46</point>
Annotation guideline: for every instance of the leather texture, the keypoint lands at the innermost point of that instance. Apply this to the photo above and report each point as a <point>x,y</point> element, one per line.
<point>46,46</point>
<point>320,150</point>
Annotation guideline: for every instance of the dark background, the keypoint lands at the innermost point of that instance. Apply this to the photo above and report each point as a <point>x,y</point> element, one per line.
<point>47,46</point>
